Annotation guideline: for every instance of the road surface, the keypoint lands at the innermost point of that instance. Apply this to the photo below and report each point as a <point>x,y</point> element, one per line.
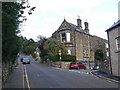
<point>37,75</point>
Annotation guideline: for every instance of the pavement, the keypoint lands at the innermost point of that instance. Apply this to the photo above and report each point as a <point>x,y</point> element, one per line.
<point>106,76</point>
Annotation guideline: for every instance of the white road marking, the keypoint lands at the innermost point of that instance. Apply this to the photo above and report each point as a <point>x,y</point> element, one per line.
<point>77,71</point>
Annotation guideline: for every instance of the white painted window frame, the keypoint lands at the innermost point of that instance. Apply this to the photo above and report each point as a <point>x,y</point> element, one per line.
<point>69,52</point>
<point>68,37</point>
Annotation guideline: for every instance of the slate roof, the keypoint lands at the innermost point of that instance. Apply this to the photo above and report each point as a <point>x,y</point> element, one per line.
<point>76,28</point>
<point>114,25</point>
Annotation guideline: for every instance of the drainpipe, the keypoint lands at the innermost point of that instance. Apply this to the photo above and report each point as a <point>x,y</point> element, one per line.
<point>75,43</point>
<point>109,53</point>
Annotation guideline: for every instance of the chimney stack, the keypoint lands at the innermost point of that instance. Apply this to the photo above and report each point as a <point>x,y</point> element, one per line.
<point>79,23</point>
<point>86,26</point>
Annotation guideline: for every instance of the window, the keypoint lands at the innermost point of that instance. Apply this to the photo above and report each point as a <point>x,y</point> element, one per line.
<point>84,52</point>
<point>63,37</point>
<point>118,43</point>
<point>87,53</point>
<point>69,52</point>
<point>68,37</point>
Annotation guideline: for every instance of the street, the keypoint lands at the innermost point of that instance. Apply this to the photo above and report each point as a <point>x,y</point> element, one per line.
<point>37,75</point>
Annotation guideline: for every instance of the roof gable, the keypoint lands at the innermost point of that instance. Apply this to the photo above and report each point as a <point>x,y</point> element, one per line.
<point>66,25</point>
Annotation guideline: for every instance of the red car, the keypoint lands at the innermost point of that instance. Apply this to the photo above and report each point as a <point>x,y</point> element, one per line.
<point>77,65</point>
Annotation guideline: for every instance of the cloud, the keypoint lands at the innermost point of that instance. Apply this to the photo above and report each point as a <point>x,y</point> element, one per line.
<point>49,14</point>
<point>64,4</point>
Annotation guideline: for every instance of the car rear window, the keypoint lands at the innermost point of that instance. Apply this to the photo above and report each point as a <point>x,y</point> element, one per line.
<point>73,63</point>
<point>80,63</point>
<point>25,59</point>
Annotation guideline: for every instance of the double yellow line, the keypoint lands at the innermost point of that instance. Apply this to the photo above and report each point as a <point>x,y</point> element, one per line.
<point>25,70</point>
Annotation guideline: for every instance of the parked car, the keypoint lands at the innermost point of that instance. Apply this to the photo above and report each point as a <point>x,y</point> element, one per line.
<point>77,65</point>
<point>96,67</point>
<point>26,61</point>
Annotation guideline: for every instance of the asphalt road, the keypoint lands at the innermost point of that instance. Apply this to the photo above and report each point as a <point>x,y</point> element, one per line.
<point>39,75</point>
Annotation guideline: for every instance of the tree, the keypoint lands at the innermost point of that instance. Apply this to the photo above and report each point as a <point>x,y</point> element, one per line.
<point>12,16</point>
<point>99,55</point>
<point>40,39</point>
<point>41,42</point>
<point>52,47</point>
<point>29,46</point>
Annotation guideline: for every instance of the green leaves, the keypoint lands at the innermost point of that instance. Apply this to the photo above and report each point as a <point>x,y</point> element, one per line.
<point>28,46</point>
<point>52,47</point>
<point>12,17</point>
<point>99,55</point>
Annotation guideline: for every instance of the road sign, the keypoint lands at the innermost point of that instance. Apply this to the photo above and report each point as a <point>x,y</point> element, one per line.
<point>60,54</point>
<point>59,50</point>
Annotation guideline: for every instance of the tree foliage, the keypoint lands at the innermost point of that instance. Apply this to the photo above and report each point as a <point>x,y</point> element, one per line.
<point>11,14</point>
<point>52,47</point>
<point>99,55</point>
<point>28,46</point>
<point>41,41</point>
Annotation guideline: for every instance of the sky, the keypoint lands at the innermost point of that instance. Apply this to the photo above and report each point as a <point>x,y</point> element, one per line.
<point>49,14</point>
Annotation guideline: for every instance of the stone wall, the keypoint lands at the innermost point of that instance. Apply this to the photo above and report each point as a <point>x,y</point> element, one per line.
<point>98,43</point>
<point>0,74</point>
<point>59,64</point>
<point>113,34</point>
<point>7,68</point>
<point>104,66</point>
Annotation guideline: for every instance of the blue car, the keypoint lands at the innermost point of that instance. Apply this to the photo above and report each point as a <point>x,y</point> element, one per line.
<point>26,61</point>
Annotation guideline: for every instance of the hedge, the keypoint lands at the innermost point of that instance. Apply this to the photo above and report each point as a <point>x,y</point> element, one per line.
<point>66,58</point>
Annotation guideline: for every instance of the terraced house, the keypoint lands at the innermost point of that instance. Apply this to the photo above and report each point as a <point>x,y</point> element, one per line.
<point>79,41</point>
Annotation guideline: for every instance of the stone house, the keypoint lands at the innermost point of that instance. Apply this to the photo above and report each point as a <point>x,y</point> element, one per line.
<point>79,41</point>
<point>114,47</point>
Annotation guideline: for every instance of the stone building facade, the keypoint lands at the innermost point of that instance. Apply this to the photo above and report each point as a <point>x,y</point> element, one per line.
<point>114,47</point>
<point>78,41</point>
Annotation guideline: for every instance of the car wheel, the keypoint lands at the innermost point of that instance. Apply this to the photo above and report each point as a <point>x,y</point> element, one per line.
<point>78,68</point>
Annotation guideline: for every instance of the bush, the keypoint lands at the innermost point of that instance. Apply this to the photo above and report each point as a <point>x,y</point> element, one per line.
<point>66,58</point>
<point>34,55</point>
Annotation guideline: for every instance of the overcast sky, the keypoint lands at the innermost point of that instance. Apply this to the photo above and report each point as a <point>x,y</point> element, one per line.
<point>49,14</point>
